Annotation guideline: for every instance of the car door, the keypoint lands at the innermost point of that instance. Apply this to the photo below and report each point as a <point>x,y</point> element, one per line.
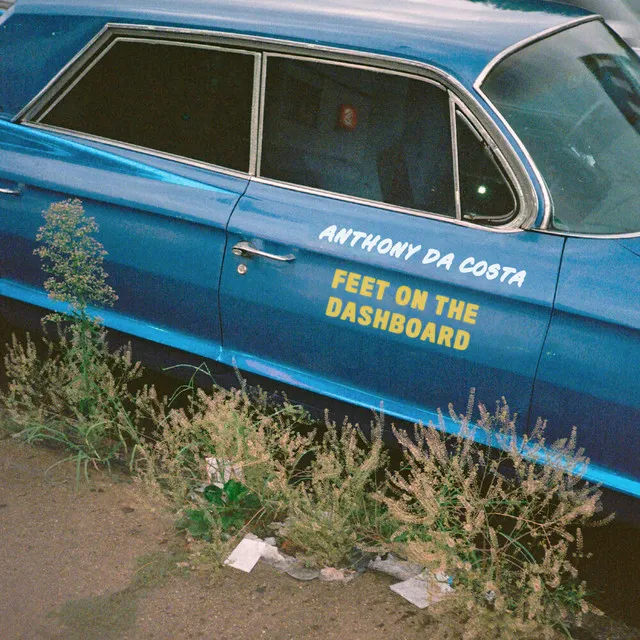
<point>382,294</point>
<point>159,161</point>
<point>588,374</point>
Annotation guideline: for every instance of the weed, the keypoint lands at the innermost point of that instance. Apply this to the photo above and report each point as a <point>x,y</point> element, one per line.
<point>231,439</point>
<point>73,257</point>
<point>78,394</point>
<point>331,509</point>
<point>504,526</point>
<point>268,464</point>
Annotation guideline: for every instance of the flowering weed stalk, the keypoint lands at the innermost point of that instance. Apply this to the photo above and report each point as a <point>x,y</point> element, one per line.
<point>78,394</point>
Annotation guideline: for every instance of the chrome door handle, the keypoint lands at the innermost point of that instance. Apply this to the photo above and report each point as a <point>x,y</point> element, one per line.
<point>247,249</point>
<point>11,192</point>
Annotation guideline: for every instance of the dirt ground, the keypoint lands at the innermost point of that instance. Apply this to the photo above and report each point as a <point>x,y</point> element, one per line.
<point>102,563</point>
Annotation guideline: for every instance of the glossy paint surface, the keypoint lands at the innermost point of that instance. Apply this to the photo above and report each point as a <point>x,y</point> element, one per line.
<point>555,327</point>
<point>460,36</point>
<point>398,325</point>
<point>164,233</point>
<point>588,373</point>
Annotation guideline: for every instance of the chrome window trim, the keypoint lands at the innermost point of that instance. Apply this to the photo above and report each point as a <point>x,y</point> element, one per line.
<point>354,64</point>
<point>510,162</point>
<point>547,201</point>
<point>199,164</point>
<point>76,63</point>
<point>469,123</point>
<point>75,80</point>
<point>256,113</point>
<point>263,92</point>
<point>66,89</point>
<point>530,40</point>
<point>453,126</point>
<point>521,218</point>
<point>589,236</point>
<point>383,205</point>
<point>546,194</point>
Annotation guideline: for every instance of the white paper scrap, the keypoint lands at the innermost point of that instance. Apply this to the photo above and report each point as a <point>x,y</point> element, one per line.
<point>421,593</point>
<point>246,555</point>
<point>219,472</point>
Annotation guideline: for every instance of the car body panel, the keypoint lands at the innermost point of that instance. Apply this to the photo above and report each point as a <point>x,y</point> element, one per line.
<point>300,314</point>
<point>165,233</point>
<point>548,320</point>
<point>588,373</point>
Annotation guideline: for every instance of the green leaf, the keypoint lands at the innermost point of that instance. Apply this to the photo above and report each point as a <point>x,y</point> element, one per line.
<point>234,490</point>
<point>214,495</point>
<point>197,522</point>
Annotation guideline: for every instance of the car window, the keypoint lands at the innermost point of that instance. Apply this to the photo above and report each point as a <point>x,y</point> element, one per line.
<point>574,100</point>
<point>187,100</point>
<point>374,135</point>
<point>485,194</point>
<point>621,15</point>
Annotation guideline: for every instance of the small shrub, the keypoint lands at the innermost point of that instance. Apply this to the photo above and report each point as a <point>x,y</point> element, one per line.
<point>73,258</point>
<point>506,528</point>
<point>278,467</point>
<point>257,449</point>
<point>332,509</point>
<point>78,393</point>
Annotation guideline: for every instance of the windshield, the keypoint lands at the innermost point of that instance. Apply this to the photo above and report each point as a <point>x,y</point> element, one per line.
<point>574,101</point>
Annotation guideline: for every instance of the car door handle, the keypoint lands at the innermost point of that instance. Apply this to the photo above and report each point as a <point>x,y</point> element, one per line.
<point>247,249</point>
<point>11,192</point>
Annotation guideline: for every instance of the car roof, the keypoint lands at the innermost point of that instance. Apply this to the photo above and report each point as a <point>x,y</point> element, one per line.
<point>459,36</point>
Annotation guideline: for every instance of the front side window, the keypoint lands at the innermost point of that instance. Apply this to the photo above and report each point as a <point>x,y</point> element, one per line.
<point>379,136</point>
<point>186,100</point>
<point>574,101</point>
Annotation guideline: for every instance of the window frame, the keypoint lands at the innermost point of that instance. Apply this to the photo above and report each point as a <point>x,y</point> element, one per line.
<point>458,113</point>
<point>261,48</point>
<point>82,64</point>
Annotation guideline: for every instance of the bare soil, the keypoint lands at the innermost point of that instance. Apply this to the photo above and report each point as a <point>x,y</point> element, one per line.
<point>99,562</point>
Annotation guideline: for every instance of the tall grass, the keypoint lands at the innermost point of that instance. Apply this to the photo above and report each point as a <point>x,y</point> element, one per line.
<point>505,524</point>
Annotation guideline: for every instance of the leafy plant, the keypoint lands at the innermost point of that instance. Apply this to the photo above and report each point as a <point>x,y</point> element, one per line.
<point>506,527</point>
<point>78,393</point>
<point>73,258</point>
<point>230,507</point>
<point>260,445</point>
<point>332,508</point>
<point>321,486</point>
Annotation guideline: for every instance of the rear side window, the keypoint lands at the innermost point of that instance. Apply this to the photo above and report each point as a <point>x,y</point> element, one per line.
<point>485,194</point>
<point>379,136</point>
<point>188,100</point>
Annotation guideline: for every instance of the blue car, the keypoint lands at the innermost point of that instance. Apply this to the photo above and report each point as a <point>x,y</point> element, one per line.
<point>370,201</point>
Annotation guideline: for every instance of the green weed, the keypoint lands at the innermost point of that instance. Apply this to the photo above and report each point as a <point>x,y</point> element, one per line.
<point>505,527</point>
<point>77,394</point>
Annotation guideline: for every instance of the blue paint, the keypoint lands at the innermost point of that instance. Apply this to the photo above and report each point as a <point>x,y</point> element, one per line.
<point>116,321</point>
<point>446,33</point>
<point>42,143</point>
<point>562,342</point>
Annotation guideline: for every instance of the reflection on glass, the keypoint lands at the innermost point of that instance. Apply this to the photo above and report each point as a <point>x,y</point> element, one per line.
<point>574,101</point>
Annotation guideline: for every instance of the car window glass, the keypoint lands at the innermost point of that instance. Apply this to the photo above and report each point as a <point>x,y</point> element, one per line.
<point>574,100</point>
<point>185,100</point>
<point>358,132</point>
<point>485,194</point>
